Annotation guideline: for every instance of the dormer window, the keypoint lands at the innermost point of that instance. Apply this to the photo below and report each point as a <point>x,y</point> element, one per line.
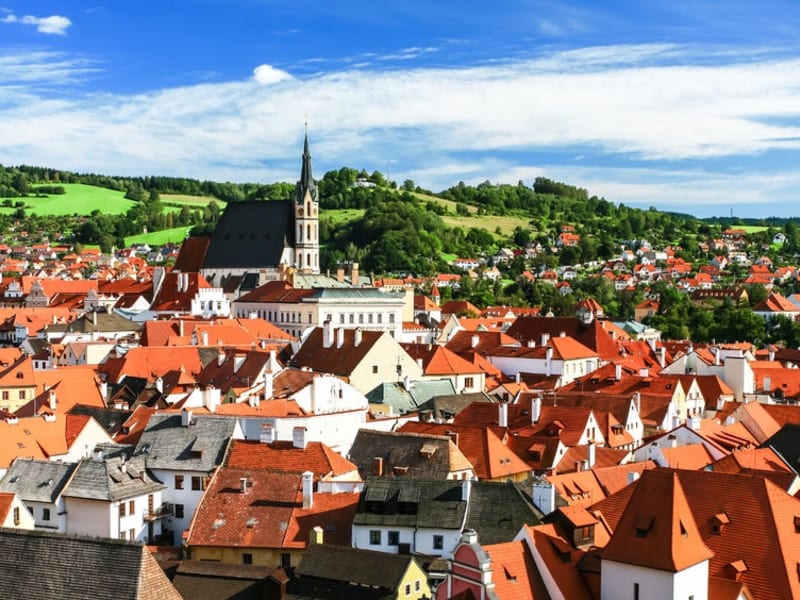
<point>720,520</point>
<point>643,526</point>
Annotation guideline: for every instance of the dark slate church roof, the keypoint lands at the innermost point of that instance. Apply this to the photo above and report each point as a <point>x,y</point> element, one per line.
<point>251,235</point>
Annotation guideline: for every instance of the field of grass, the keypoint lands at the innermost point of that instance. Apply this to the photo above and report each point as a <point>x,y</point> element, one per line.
<point>192,201</point>
<point>340,216</point>
<point>80,199</point>
<point>158,238</point>
<point>751,228</point>
<point>488,222</point>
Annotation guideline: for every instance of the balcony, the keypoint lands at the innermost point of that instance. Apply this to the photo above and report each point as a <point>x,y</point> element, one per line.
<point>165,510</point>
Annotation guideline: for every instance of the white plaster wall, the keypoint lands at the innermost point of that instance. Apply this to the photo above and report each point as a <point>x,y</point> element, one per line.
<point>617,582</point>
<point>187,496</point>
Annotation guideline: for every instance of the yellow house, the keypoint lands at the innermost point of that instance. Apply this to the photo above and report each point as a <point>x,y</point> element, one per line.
<point>17,384</point>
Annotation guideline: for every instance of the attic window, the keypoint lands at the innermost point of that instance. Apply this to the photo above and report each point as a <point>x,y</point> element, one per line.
<point>684,532</point>
<point>797,524</point>
<point>643,525</point>
<point>19,375</point>
<point>720,520</point>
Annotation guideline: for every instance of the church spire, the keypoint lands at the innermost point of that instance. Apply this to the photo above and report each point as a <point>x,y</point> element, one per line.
<point>306,182</point>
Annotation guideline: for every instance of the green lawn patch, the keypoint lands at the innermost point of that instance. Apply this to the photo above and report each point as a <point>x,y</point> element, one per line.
<point>159,238</point>
<point>79,199</point>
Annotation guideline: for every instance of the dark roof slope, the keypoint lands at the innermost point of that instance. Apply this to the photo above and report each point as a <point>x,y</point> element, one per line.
<point>204,580</point>
<point>36,480</point>
<point>108,568</point>
<point>362,567</point>
<point>251,235</point>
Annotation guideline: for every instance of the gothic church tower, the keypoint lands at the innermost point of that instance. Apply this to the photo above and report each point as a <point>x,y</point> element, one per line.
<point>306,217</point>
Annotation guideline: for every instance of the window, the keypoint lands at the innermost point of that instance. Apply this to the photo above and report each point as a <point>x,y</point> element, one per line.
<point>179,511</point>
<point>408,589</point>
<point>417,585</point>
<point>374,369</point>
<point>5,395</point>
<point>132,535</point>
<point>45,514</point>
<point>374,537</point>
<point>635,591</point>
<point>394,538</point>
<point>132,507</point>
<point>122,535</point>
<point>469,382</point>
<point>286,560</point>
<point>438,542</point>
<point>361,318</point>
<point>391,317</point>
<point>178,482</point>
<point>352,318</point>
<point>247,558</point>
<point>197,483</point>
<point>22,394</point>
<point>16,515</point>
<point>121,509</point>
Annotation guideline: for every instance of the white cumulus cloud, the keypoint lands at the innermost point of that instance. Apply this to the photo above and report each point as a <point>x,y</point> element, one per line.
<point>54,24</point>
<point>267,74</point>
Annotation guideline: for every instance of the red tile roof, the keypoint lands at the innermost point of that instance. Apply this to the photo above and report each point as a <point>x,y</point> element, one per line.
<point>657,529</point>
<point>739,517</point>
<point>269,514</point>
<point>285,457</point>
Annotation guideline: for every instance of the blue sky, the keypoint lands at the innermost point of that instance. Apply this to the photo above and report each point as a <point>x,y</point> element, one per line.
<point>686,106</point>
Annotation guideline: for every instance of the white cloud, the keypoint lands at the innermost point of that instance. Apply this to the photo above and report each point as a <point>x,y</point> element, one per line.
<point>267,74</point>
<point>643,104</point>
<point>54,24</point>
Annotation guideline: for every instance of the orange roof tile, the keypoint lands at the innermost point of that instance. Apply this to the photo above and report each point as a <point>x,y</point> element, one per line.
<point>657,529</point>
<point>285,457</point>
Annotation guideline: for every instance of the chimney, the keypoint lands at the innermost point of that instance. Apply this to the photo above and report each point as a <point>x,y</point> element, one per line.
<point>545,339</point>
<point>502,414</point>
<point>673,440</point>
<point>340,275</point>
<point>299,437</point>
<point>220,357</point>
<point>453,436</point>
<point>716,356</point>
<point>549,361</point>
<point>357,335</point>
<point>243,484</point>
<point>518,378</point>
<point>618,372</point>
<point>266,433</point>
<point>98,454</point>
<point>354,280</point>
<point>578,466</point>
<point>211,398</point>
<point>186,418</point>
<point>474,341</point>
<point>308,489</point>
<point>531,343</point>
<point>327,334</point>
<point>544,496</point>
<point>378,466</point>
<point>52,400</point>
<point>591,455</point>
<point>466,489</point>
<point>269,384</point>
<point>644,372</point>
<point>340,337</point>
<point>180,327</point>
<point>94,318</point>
<point>662,357</point>
<point>205,338</point>
<point>536,409</point>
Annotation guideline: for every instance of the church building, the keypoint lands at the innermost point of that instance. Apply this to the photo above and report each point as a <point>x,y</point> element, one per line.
<point>256,241</point>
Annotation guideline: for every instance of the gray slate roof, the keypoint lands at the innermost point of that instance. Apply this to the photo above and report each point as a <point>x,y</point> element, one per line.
<point>422,456</point>
<point>41,565</point>
<point>199,447</point>
<point>37,480</point>
<point>204,580</point>
<point>497,511</point>
<point>251,235</point>
<point>403,401</point>
<point>111,479</point>
<point>411,503</point>
<point>351,565</point>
